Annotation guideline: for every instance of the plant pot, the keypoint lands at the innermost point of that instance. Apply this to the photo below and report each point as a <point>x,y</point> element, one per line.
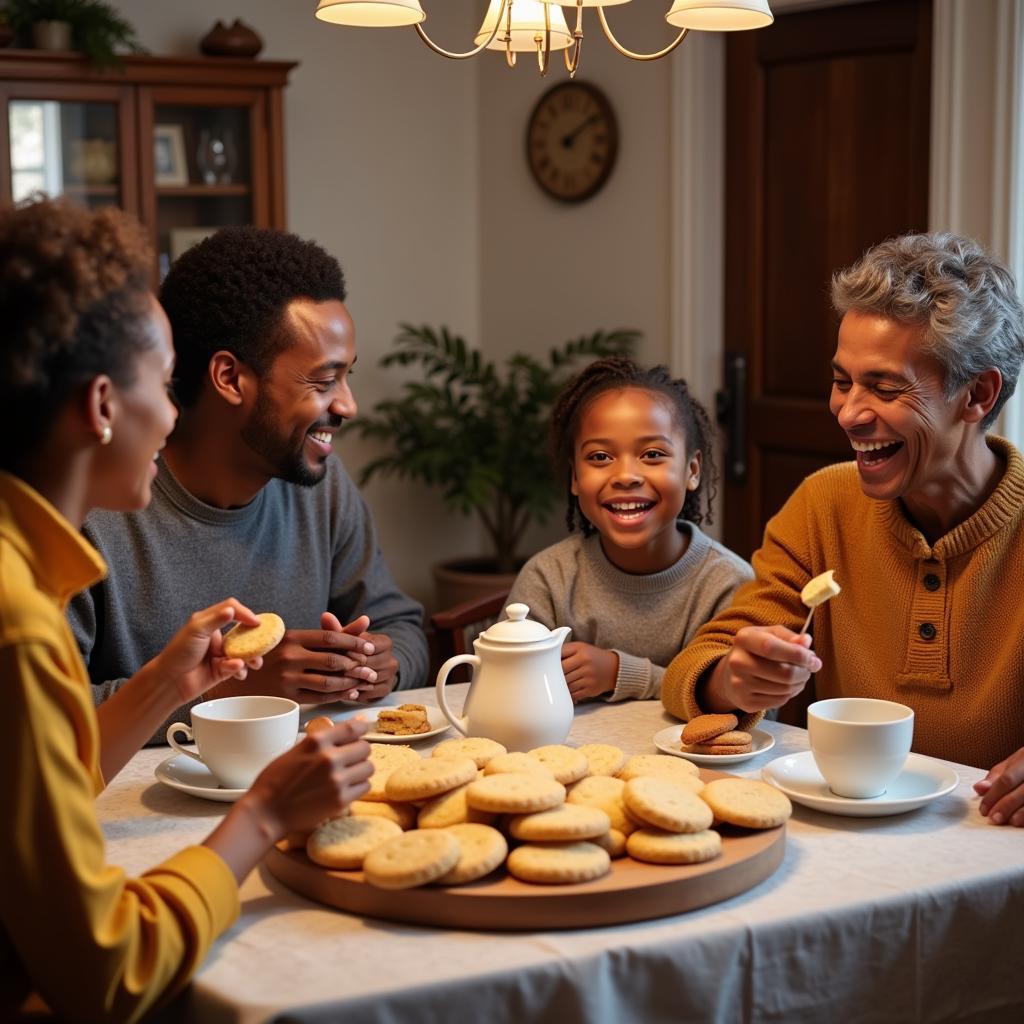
<point>51,35</point>
<point>237,41</point>
<point>462,579</point>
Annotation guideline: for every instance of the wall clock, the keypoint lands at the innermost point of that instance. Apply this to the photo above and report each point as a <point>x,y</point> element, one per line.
<point>572,140</point>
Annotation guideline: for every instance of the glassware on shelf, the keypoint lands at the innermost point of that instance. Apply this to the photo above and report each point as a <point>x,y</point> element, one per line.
<point>217,157</point>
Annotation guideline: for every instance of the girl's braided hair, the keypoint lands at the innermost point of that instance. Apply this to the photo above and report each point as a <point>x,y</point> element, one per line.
<point>615,373</point>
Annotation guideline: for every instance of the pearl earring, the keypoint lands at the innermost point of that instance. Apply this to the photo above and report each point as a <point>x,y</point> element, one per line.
<point>106,434</point>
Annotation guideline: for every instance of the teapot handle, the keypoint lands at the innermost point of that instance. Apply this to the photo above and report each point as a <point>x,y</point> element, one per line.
<point>442,677</point>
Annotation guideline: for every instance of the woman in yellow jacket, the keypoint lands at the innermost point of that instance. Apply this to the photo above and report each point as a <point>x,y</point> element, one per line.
<point>85,363</point>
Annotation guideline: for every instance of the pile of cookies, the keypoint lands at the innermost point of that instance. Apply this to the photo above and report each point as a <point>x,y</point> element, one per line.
<point>451,818</point>
<point>715,734</point>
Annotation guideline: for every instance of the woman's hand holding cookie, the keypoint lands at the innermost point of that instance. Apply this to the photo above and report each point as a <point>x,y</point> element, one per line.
<point>315,780</point>
<point>1002,791</point>
<point>589,671</point>
<point>194,657</point>
<point>765,667</point>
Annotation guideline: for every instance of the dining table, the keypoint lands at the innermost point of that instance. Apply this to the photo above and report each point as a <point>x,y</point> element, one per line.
<point>917,916</point>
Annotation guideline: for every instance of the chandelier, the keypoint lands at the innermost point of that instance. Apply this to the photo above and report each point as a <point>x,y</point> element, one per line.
<point>539,26</point>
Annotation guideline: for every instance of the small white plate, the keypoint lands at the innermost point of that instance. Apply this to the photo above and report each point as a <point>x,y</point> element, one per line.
<point>922,780</point>
<point>668,741</point>
<point>435,718</point>
<point>194,778</point>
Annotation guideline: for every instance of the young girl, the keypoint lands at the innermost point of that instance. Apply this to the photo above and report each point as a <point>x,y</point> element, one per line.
<point>640,580</point>
<point>85,361</point>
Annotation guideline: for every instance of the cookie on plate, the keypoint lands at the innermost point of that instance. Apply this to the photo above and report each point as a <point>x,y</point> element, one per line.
<point>748,803</point>
<point>657,847</point>
<point>405,720</point>
<point>450,809</point>
<point>666,805</point>
<point>663,766</point>
<point>411,859</point>
<point>403,815</point>
<point>560,824</point>
<point>479,748</point>
<point>603,758</point>
<point>515,793</point>
<point>481,850</point>
<point>567,764</point>
<point>248,642</point>
<point>558,863</point>
<point>385,758</point>
<point>343,843</point>
<point>606,793</point>
<point>516,761</point>
<point>429,777</point>
<point>706,727</point>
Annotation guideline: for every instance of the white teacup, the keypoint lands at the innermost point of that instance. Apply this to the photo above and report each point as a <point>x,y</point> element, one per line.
<point>860,745</point>
<point>238,737</point>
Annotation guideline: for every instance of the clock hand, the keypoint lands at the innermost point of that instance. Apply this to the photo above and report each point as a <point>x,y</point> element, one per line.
<point>568,140</point>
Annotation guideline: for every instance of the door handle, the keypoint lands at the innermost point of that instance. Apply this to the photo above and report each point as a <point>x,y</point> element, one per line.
<point>731,413</point>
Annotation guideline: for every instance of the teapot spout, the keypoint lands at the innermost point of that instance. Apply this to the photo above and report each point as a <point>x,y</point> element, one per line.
<point>562,632</point>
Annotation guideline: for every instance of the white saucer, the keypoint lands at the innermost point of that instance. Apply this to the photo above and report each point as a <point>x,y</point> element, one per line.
<point>668,741</point>
<point>922,780</point>
<point>435,718</point>
<point>194,778</point>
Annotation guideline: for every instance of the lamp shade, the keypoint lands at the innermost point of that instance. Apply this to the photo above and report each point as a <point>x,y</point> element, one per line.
<point>720,15</point>
<point>587,3</point>
<point>527,24</point>
<point>371,13</point>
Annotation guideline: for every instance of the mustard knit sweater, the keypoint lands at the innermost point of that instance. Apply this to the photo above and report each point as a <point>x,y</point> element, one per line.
<point>939,627</point>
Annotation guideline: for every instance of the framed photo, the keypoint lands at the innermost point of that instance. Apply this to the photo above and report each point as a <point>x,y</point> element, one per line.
<point>184,238</point>
<point>169,161</point>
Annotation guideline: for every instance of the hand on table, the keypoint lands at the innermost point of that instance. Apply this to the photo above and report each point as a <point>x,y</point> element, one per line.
<point>314,666</point>
<point>1002,791</point>
<point>766,666</point>
<point>193,657</point>
<point>589,670</point>
<point>382,661</point>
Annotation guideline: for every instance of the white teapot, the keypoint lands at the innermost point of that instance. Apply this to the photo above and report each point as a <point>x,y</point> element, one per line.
<point>518,694</point>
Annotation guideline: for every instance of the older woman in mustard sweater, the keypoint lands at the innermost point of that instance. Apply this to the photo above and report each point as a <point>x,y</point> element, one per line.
<point>85,362</point>
<point>925,529</point>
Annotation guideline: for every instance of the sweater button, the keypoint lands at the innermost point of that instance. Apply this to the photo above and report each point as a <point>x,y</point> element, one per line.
<point>927,631</point>
<point>931,582</point>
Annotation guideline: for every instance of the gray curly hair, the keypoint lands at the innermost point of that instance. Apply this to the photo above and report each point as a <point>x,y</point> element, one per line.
<point>965,298</point>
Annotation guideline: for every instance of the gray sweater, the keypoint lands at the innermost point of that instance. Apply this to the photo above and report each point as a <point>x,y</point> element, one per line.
<point>646,620</point>
<point>297,551</point>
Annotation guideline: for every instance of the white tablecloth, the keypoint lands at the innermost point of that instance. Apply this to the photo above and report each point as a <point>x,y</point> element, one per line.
<point>918,917</point>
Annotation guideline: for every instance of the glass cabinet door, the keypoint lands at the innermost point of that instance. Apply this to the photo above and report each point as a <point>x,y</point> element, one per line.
<point>204,167</point>
<point>65,148</point>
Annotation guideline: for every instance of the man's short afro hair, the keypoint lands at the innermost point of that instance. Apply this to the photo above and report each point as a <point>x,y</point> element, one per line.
<point>230,292</point>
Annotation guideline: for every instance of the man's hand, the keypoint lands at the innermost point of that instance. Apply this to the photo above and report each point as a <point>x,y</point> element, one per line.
<point>382,661</point>
<point>765,667</point>
<point>1002,791</point>
<point>313,666</point>
<point>589,670</point>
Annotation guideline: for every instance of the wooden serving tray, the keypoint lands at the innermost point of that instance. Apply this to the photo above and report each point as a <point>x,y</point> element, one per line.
<point>632,891</point>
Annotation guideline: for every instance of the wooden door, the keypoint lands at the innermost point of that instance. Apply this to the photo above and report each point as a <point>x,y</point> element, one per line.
<point>827,130</point>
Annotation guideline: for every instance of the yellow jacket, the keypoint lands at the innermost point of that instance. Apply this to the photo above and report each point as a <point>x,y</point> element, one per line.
<point>937,627</point>
<point>94,944</point>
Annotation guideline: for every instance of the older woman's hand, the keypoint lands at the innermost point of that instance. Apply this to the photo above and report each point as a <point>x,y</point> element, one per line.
<point>1002,791</point>
<point>765,667</point>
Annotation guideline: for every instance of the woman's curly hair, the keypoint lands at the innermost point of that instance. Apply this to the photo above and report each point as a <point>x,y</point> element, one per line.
<point>230,292</point>
<point>74,295</point>
<point>614,374</point>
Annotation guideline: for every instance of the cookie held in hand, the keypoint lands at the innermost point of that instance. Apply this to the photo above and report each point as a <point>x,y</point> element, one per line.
<point>248,642</point>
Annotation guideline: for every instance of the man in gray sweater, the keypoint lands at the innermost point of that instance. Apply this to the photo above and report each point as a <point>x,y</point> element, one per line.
<point>248,499</point>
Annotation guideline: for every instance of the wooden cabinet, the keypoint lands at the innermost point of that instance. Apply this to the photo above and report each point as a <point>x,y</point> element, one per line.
<point>186,144</point>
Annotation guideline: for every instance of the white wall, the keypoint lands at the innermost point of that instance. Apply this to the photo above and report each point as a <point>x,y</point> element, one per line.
<point>381,168</point>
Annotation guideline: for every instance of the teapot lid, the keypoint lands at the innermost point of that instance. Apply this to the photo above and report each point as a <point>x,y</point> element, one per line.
<point>517,628</point>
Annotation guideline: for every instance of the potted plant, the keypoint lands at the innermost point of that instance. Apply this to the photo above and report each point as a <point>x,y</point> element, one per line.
<point>479,434</point>
<point>89,26</point>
